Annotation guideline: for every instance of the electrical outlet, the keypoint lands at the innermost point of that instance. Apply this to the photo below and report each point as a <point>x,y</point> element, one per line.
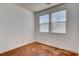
<point>23,40</point>
<point>17,42</point>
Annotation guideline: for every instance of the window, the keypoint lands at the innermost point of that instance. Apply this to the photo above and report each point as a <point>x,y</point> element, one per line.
<point>44,23</point>
<point>58,22</point>
<point>53,22</point>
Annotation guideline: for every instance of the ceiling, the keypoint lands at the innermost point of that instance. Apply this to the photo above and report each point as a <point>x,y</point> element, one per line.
<point>35,7</point>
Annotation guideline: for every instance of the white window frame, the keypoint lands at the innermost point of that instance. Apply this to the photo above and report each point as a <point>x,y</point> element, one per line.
<point>50,22</point>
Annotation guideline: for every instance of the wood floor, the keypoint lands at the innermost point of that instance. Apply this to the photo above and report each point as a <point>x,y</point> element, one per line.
<point>38,49</point>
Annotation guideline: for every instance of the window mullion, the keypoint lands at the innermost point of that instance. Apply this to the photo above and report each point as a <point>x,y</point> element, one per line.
<point>50,22</point>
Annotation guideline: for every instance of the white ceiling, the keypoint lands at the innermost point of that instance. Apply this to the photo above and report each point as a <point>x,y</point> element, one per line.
<point>35,7</point>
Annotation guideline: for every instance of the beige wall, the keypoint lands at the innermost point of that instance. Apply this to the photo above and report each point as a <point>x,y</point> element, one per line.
<point>69,41</point>
<point>16,26</point>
